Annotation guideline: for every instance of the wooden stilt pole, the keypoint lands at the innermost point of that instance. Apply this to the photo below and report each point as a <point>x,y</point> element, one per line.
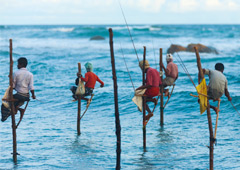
<point>79,105</point>
<point>215,133</point>
<point>144,99</point>
<point>212,140</point>
<point>117,120</point>
<point>161,103</point>
<point>12,107</point>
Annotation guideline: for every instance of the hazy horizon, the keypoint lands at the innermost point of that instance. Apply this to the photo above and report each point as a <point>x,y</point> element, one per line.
<point>108,12</point>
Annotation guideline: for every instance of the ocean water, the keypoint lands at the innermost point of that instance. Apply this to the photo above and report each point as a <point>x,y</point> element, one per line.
<point>47,137</point>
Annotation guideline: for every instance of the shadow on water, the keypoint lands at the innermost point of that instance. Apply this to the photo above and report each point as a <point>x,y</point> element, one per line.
<point>81,151</point>
<point>164,136</point>
<point>81,146</point>
<point>151,158</point>
<point>145,162</point>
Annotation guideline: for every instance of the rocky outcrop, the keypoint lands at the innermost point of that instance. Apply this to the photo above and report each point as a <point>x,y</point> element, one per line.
<point>201,48</point>
<point>175,48</point>
<point>98,37</point>
<point>190,48</point>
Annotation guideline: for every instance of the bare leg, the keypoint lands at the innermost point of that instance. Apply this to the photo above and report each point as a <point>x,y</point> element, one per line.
<point>83,98</point>
<point>166,91</point>
<point>21,111</point>
<point>150,114</point>
<point>216,109</point>
<point>154,100</point>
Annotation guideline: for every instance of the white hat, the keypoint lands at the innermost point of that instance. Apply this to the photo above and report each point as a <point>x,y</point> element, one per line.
<point>169,57</point>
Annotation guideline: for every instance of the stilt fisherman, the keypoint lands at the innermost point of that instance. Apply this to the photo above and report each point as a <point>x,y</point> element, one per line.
<point>153,82</point>
<point>90,80</point>
<point>22,83</point>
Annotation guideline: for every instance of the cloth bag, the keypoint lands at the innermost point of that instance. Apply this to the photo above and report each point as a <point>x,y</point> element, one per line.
<point>80,89</point>
<point>137,99</point>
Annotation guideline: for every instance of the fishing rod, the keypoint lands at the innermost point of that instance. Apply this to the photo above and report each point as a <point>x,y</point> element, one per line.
<point>154,54</point>
<point>184,67</point>
<point>128,29</point>
<point>186,71</point>
<point>234,107</point>
<point>127,67</point>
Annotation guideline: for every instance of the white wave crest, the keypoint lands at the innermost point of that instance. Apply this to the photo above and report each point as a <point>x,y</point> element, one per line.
<point>62,29</point>
<point>154,29</point>
<point>119,27</point>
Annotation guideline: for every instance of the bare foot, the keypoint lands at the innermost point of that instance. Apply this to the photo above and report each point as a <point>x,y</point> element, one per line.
<point>155,101</point>
<point>88,102</point>
<point>21,111</point>
<point>167,92</point>
<point>149,116</point>
<point>216,109</point>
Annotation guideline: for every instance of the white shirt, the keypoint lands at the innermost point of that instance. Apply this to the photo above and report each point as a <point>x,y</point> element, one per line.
<point>217,81</point>
<point>23,81</point>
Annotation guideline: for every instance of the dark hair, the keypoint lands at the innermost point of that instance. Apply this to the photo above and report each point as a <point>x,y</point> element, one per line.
<point>219,67</point>
<point>23,61</point>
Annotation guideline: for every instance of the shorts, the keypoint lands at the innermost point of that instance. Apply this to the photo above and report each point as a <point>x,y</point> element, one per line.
<point>152,92</point>
<point>214,94</point>
<point>168,81</point>
<point>88,91</point>
<point>21,98</point>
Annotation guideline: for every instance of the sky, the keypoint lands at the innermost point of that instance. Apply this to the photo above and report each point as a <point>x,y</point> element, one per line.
<point>55,12</point>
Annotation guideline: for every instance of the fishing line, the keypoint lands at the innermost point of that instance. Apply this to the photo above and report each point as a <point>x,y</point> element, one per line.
<point>128,28</point>
<point>235,108</point>
<point>186,71</point>
<point>38,100</point>
<point>184,67</point>
<point>127,67</point>
<point>154,54</point>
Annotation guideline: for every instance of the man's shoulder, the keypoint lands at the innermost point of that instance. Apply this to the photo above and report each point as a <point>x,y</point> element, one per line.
<point>172,63</point>
<point>16,72</point>
<point>90,74</point>
<point>150,69</point>
<point>28,72</point>
<point>218,73</point>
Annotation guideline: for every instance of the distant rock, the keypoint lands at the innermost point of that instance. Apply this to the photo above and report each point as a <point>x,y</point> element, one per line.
<point>98,37</point>
<point>201,48</point>
<point>190,48</point>
<point>175,48</point>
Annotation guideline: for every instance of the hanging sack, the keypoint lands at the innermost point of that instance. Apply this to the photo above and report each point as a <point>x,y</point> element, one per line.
<point>80,89</point>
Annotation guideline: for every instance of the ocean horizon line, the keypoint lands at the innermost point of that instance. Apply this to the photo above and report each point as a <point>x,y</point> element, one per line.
<point>118,24</point>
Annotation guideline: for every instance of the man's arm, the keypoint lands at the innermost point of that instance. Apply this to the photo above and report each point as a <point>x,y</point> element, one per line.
<point>33,94</point>
<point>165,70</point>
<point>143,87</point>
<point>205,71</point>
<point>176,78</point>
<point>228,95</point>
<point>86,78</point>
<point>31,88</point>
<point>100,81</point>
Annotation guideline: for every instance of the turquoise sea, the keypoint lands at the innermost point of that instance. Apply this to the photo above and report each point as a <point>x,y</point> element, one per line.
<point>47,137</point>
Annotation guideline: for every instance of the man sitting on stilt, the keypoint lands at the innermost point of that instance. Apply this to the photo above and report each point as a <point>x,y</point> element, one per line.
<point>153,82</point>
<point>90,81</point>
<point>171,73</point>
<point>217,84</point>
<point>22,83</point>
